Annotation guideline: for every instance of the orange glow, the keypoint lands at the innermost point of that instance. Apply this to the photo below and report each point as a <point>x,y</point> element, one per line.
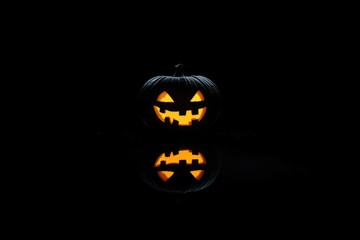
<point>184,120</point>
<point>164,97</point>
<point>186,155</point>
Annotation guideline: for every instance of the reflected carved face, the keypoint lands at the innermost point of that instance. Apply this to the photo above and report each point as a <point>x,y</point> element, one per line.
<point>184,163</point>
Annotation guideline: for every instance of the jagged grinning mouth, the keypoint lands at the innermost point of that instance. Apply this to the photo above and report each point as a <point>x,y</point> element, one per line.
<point>186,157</point>
<point>186,118</point>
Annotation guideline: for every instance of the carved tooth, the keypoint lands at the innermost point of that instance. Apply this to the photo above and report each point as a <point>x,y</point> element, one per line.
<point>195,122</point>
<point>195,111</point>
<point>175,122</point>
<point>182,162</point>
<point>182,112</point>
<point>162,110</point>
<point>167,120</point>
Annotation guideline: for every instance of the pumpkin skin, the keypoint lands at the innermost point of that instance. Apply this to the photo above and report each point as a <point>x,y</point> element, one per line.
<point>180,168</point>
<point>179,103</point>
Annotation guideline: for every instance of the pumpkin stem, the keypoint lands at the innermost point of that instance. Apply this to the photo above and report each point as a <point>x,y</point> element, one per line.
<point>178,70</point>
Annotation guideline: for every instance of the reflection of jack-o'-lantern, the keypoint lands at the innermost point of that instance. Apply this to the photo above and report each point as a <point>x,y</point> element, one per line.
<point>179,102</point>
<point>184,163</point>
<point>181,169</point>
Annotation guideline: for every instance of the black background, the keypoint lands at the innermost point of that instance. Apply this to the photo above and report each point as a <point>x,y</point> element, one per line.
<point>272,69</point>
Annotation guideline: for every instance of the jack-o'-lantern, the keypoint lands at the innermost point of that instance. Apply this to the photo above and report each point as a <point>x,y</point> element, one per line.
<point>181,169</point>
<point>179,102</point>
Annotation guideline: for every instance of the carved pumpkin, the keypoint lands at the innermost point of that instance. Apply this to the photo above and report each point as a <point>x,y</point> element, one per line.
<point>179,102</point>
<point>181,168</point>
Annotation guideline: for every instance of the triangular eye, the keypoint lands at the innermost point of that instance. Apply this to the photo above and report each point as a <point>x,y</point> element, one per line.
<point>164,97</point>
<point>197,174</point>
<point>165,175</point>
<point>198,97</point>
